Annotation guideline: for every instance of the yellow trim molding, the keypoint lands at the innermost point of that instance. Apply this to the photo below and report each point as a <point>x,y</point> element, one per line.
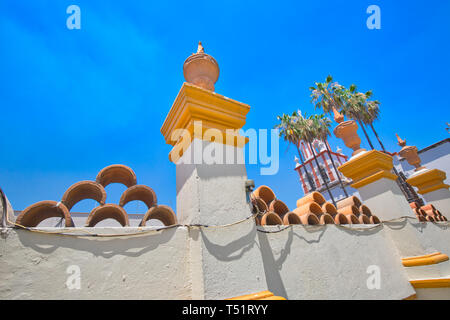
<point>431,283</point>
<point>429,181</point>
<point>368,167</point>
<point>411,297</point>
<point>193,105</point>
<point>424,260</point>
<point>263,295</point>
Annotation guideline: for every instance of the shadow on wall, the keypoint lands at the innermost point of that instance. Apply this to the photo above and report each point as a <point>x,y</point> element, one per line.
<point>233,250</point>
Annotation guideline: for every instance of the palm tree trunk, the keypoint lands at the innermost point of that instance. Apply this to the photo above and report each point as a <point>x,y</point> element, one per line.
<point>365,133</point>
<point>311,183</point>
<point>378,138</point>
<point>335,170</point>
<point>321,174</point>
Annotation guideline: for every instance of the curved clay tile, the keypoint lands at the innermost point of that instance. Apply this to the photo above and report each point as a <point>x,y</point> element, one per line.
<point>117,173</point>
<point>428,207</point>
<point>413,205</point>
<point>314,196</point>
<point>310,207</point>
<point>363,219</point>
<point>329,208</point>
<point>107,211</point>
<point>279,207</point>
<point>365,210</point>
<point>309,219</point>
<point>352,219</point>
<point>325,218</point>
<point>139,192</point>
<point>271,219</point>
<point>340,218</point>
<point>353,200</point>
<point>291,218</point>
<point>162,213</point>
<point>39,211</point>
<point>261,204</point>
<point>83,190</point>
<point>374,219</point>
<point>265,193</point>
<point>350,209</point>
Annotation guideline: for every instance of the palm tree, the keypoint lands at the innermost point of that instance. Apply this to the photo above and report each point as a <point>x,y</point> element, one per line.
<point>373,112</point>
<point>328,96</point>
<point>323,132</point>
<point>289,131</point>
<point>308,132</point>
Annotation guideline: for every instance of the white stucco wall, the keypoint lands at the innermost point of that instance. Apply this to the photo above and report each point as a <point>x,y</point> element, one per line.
<point>301,262</point>
<point>152,266</point>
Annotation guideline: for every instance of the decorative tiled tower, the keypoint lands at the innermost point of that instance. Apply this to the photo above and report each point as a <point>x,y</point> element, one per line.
<point>311,175</point>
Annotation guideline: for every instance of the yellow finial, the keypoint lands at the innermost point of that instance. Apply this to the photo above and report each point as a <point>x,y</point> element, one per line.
<point>200,48</point>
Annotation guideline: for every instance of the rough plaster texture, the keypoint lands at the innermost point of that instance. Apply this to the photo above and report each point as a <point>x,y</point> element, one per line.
<point>153,266</point>
<point>232,261</point>
<point>211,194</point>
<point>440,199</point>
<point>330,262</point>
<point>385,199</point>
<point>301,262</point>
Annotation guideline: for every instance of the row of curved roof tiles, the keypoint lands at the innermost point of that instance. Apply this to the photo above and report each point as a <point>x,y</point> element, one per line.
<point>311,209</point>
<point>95,190</point>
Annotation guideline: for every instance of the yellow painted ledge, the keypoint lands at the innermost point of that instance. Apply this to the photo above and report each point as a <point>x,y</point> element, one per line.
<point>263,295</point>
<point>424,260</point>
<point>411,297</point>
<point>429,181</point>
<point>431,283</point>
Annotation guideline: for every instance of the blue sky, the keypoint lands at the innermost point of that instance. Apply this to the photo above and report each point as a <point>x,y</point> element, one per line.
<point>75,101</point>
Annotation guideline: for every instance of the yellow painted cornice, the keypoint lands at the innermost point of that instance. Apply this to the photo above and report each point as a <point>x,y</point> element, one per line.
<point>263,295</point>
<point>193,105</point>
<point>428,259</point>
<point>368,167</point>
<point>431,283</point>
<point>429,181</point>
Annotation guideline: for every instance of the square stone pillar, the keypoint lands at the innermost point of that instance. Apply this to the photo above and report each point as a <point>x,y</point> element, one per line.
<point>430,184</point>
<point>208,152</point>
<point>372,177</point>
<point>210,172</point>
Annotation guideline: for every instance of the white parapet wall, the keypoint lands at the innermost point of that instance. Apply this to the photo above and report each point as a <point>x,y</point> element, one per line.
<point>296,262</point>
<point>43,266</point>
